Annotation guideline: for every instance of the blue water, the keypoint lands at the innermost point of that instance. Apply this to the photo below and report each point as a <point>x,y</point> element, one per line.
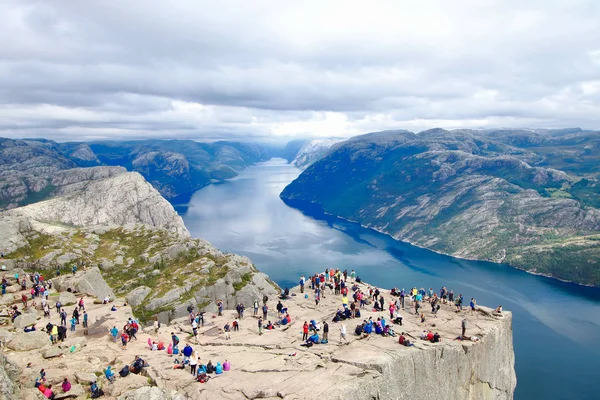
<point>555,324</point>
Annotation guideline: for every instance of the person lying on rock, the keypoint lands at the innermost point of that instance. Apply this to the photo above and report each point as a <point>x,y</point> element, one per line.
<point>30,328</point>
<point>109,374</point>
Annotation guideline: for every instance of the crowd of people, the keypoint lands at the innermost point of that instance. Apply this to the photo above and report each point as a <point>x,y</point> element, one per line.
<point>354,299</point>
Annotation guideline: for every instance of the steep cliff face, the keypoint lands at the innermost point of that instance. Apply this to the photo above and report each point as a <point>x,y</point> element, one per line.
<point>122,199</point>
<point>481,371</point>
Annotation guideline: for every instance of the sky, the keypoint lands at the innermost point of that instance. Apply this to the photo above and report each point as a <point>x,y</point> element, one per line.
<point>87,70</point>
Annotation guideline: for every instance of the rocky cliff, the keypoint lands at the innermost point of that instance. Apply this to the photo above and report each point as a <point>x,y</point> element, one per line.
<point>125,198</point>
<point>463,194</point>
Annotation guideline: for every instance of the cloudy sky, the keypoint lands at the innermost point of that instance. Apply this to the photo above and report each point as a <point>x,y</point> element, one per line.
<point>116,69</point>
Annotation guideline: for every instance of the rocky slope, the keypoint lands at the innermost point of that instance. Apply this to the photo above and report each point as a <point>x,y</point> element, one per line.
<point>122,225</point>
<point>463,194</point>
<point>117,200</point>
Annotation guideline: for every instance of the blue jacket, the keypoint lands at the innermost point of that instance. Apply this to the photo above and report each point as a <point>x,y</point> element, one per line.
<point>187,350</point>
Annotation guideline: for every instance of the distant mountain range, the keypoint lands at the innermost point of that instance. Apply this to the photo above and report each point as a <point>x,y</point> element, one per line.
<point>177,168</point>
<point>529,198</point>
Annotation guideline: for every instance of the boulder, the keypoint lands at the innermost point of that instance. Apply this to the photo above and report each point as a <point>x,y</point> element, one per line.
<point>92,283</point>
<point>67,299</point>
<point>130,382</point>
<point>29,341</point>
<point>66,258</point>
<point>137,295</point>
<point>85,377</point>
<point>52,352</point>
<point>24,320</point>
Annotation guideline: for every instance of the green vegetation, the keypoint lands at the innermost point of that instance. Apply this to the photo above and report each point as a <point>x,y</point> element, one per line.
<point>246,279</point>
<point>471,194</point>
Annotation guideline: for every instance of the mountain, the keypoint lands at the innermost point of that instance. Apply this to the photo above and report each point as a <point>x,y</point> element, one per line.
<point>177,168</point>
<point>488,195</point>
<point>312,150</point>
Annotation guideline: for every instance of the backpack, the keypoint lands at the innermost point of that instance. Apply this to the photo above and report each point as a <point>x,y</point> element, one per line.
<point>124,371</point>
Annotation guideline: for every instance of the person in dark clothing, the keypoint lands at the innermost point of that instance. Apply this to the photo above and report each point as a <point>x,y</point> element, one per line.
<point>325,330</point>
<point>210,368</point>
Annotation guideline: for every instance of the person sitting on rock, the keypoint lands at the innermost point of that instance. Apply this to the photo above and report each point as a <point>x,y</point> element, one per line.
<point>269,326</point>
<point>66,385</point>
<point>187,352</point>
<point>403,341</point>
<point>30,328</point>
<point>423,335</point>
<point>95,390</point>
<point>436,338</point>
<point>359,329</point>
<point>430,336</point>
<point>209,367</point>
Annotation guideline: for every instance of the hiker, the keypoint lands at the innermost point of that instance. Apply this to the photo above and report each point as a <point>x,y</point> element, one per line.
<point>218,368</point>
<point>76,315</point>
<point>85,319</point>
<point>80,304</point>
<point>63,317</point>
<point>193,362</point>
<point>66,385</point>
<point>174,339</point>
<point>325,331</point>
<point>187,352</point>
<point>498,310</point>
<point>73,323</point>
<point>156,324</point>
<point>124,339</point>
<point>260,326</point>
<point>48,393</point>
<point>109,374</point>
<point>94,389</point>
<point>317,297</point>
<point>302,280</point>
<point>255,307</point>
<point>220,307</point>
<point>114,332</point>
<point>210,369</point>
<point>54,334</point>
<point>463,325</point>
<point>236,325</point>
<point>279,307</point>
<point>195,330</point>
<point>265,310</point>
<point>403,341</point>
<point>227,330</point>
<point>472,304</point>
<point>343,333</point>
<point>58,306</point>
<point>436,338</point>
<point>305,331</point>
<point>74,269</point>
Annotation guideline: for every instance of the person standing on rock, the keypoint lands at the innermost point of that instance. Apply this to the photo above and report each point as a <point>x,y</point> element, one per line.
<point>302,280</point>
<point>220,307</point>
<point>76,315</point>
<point>255,307</point>
<point>265,310</point>
<point>73,323</point>
<point>343,333</point>
<point>63,317</point>
<point>472,304</point>
<point>325,331</point>
<point>193,362</point>
<point>260,326</point>
<point>187,352</point>
<point>124,339</point>
<point>114,332</point>
<point>80,304</point>
<point>463,324</point>
<point>305,331</point>
<point>317,296</point>
<point>74,269</point>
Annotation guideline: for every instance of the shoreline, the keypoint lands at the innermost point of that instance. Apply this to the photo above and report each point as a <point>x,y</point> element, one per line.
<point>378,230</point>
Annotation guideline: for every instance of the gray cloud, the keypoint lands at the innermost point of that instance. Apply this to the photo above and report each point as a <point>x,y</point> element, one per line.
<point>107,69</point>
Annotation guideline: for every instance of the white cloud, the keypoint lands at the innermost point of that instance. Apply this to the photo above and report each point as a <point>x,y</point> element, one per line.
<point>196,68</point>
